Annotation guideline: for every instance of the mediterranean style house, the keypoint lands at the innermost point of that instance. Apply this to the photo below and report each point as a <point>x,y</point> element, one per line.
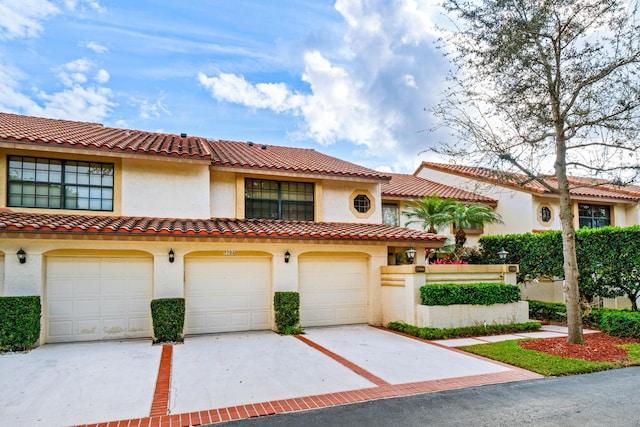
<point>403,188</point>
<point>528,206</point>
<point>99,221</point>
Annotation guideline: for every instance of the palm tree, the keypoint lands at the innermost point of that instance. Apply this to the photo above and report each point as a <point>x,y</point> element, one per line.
<point>464,216</point>
<point>431,212</point>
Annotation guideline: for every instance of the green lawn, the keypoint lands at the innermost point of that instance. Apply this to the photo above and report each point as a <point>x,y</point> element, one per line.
<point>545,364</point>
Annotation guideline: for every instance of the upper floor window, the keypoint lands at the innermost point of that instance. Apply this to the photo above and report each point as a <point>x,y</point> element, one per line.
<point>390,214</point>
<point>34,182</point>
<point>278,199</point>
<point>362,203</point>
<point>593,216</point>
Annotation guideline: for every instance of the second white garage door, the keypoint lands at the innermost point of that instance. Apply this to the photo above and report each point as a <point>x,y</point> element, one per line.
<point>333,290</point>
<point>225,294</point>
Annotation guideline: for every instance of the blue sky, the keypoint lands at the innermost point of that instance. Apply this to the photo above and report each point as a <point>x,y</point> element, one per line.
<point>349,78</point>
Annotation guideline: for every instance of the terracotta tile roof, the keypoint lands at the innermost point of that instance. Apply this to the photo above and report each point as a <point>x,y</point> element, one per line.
<point>272,157</point>
<point>216,227</point>
<point>581,187</point>
<point>411,186</point>
<point>41,131</point>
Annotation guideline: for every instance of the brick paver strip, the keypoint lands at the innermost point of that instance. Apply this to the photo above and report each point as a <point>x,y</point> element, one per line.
<point>160,405</point>
<point>160,416</point>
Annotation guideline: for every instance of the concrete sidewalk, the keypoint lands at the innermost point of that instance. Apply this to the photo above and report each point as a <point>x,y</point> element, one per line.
<point>221,377</point>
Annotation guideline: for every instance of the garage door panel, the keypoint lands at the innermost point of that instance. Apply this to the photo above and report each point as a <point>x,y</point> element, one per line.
<point>93,298</point>
<point>333,290</point>
<point>227,294</point>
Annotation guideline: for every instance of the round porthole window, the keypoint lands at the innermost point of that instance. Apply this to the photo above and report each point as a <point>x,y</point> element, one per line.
<point>361,203</point>
<point>545,214</point>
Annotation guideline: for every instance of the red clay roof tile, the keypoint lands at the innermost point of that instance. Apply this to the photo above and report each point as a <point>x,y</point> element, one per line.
<point>273,157</point>
<point>411,186</point>
<point>581,187</point>
<point>41,131</point>
<point>86,224</point>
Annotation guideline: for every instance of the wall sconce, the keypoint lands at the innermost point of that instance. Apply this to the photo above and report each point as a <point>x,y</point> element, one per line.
<point>411,254</point>
<point>22,256</point>
<point>503,255</point>
<point>172,255</point>
<point>287,257</point>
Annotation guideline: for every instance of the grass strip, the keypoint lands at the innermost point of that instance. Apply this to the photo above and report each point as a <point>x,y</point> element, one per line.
<point>545,364</point>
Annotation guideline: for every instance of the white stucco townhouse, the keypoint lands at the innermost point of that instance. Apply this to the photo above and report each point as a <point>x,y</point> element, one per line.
<point>108,219</point>
<point>527,206</point>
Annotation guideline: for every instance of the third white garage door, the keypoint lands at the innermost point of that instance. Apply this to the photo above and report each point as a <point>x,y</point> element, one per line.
<point>227,293</point>
<point>333,290</point>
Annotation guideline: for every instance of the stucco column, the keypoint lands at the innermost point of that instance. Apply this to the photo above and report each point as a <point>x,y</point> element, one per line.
<point>23,279</point>
<point>285,274</point>
<point>168,277</point>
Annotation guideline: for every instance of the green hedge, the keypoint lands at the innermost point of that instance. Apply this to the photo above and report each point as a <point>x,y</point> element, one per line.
<point>476,293</point>
<point>467,331</point>
<point>608,259</point>
<point>287,308</point>
<point>621,323</point>
<point>557,312</point>
<point>168,319</point>
<point>19,322</point>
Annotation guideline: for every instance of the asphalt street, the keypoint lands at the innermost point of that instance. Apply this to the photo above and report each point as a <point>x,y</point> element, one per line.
<point>609,398</point>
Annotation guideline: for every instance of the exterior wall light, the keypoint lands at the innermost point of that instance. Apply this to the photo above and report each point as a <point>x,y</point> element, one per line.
<point>411,254</point>
<point>287,257</point>
<point>172,255</point>
<point>22,256</point>
<point>503,255</point>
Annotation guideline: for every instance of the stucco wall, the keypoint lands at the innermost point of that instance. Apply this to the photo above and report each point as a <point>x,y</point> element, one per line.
<point>223,195</point>
<point>336,202</point>
<point>165,189</point>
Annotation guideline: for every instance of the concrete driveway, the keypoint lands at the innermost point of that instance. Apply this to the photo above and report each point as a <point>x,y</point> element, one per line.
<point>220,377</point>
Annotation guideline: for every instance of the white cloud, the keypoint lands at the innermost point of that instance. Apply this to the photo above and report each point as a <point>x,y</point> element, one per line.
<point>102,76</point>
<point>22,18</point>
<point>96,47</point>
<point>154,109</point>
<point>232,88</point>
<point>81,5</point>
<point>372,92</point>
<point>78,103</point>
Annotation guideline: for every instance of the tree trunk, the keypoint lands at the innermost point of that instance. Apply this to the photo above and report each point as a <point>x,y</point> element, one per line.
<point>571,274</point>
<point>461,238</point>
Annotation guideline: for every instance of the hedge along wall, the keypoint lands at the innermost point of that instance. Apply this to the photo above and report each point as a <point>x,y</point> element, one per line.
<point>608,258</point>
<point>19,322</point>
<point>473,294</point>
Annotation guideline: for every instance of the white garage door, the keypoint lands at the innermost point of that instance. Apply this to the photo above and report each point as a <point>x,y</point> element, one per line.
<point>225,294</point>
<point>96,298</point>
<point>333,290</point>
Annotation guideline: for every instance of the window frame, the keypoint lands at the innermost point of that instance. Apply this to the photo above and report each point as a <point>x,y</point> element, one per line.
<point>283,201</point>
<point>395,206</point>
<point>71,186</point>
<point>592,219</point>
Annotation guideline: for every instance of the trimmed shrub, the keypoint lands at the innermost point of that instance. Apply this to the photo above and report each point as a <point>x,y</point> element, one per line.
<point>552,311</point>
<point>621,323</point>
<point>467,331</point>
<point>19,322</point>
<point>476,293</point>
<point>168,319</point>
<point>557,312</point>
<point>287,308</point>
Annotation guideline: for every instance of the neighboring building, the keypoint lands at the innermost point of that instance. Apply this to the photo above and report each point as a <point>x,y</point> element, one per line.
<point>112,218</point>
<point>527,206</point>
<point>403,188</point>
